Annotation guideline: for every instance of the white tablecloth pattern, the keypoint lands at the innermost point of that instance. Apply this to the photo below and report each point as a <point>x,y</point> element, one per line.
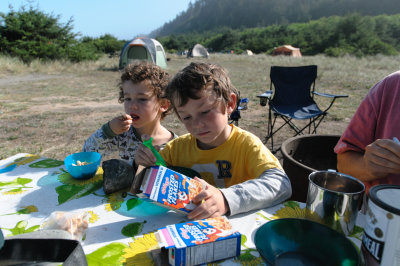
<point>121,226</point>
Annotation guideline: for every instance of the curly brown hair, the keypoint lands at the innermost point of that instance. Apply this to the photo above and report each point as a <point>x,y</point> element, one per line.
<point>198,78</point>
<point>138,71</point>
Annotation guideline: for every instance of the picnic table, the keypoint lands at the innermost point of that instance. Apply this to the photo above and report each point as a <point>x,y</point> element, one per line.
<point>121,225</point>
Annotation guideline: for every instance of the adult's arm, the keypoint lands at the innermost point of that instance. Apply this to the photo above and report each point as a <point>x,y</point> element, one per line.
<point>382,157</point>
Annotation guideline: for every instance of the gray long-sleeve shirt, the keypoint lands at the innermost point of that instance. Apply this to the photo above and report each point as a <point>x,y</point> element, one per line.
<point>270,188</point>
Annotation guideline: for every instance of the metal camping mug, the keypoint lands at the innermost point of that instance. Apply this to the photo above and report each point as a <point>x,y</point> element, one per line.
<point>333,199</point>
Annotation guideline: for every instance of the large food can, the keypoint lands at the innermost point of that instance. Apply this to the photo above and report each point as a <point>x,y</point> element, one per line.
<point>381,239</point>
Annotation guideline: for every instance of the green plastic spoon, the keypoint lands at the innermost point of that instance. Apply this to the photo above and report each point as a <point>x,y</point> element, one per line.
<point>149,144</point>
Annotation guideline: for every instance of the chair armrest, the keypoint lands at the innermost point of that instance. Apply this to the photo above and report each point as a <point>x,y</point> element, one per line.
<point>243,104</point>
<point>330,95</point>
<point>265,97</point>
<point>266,94</point>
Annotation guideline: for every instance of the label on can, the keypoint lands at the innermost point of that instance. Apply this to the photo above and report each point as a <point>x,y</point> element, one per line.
<point>381,239</point>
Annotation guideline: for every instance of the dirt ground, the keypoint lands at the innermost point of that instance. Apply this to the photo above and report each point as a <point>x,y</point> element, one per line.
<point>52,108</point>
<point>254,119</point>
<point>26,78</point>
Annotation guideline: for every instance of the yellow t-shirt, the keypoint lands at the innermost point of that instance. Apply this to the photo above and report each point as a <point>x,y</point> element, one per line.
<point>242,157</point>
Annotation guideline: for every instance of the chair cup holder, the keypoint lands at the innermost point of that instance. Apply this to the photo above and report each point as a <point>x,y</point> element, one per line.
<point>263,101</point>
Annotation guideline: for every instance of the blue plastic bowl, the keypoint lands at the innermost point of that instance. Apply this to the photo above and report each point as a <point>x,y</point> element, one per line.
<point>82,171</point>
<point>292,241</point>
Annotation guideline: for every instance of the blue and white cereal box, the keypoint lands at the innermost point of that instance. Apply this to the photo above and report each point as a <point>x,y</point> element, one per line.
<point>199,242</point>
<point>171,189</point>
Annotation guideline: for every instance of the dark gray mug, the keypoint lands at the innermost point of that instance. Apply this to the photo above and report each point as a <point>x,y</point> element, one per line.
<point>333,199</point>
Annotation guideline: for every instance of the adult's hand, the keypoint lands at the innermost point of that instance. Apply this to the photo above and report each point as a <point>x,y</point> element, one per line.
<point>382,157</point>
<point>211,203</point>
<point>121,124</point>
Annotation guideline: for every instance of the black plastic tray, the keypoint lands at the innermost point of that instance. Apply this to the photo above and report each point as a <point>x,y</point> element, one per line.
<point>42,252</point>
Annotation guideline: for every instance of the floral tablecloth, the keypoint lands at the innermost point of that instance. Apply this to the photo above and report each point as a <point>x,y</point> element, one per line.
<point>121,226</point>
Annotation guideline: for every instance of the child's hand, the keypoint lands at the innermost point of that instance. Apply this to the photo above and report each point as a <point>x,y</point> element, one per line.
<point>144,156</point>
<point>121,124</point>
<point>214,203</point>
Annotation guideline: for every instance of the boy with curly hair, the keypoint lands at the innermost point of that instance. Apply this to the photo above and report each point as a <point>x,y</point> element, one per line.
<point>240,174</point>
<point>142,91</point>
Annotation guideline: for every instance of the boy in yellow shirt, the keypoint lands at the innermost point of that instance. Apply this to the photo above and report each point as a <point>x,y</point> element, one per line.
<point>247,174</point>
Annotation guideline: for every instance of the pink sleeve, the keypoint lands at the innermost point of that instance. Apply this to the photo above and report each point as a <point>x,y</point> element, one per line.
<point>361,130</point>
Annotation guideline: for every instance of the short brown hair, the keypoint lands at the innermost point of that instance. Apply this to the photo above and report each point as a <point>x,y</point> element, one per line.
<point>197,78</point>
<point>138,71</point>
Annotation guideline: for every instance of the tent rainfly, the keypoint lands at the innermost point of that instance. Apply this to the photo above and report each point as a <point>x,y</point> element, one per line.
<point>143,48</point>
<point>287,50</point>
<point>198,51</point>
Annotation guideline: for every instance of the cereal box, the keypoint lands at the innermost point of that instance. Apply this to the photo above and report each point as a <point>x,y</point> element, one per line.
<point>199,242</point>
<point>170,189</point>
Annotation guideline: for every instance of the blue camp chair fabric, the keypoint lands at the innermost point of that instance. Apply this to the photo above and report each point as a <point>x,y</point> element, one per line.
<point>291,96</point>
<point>241,104</point>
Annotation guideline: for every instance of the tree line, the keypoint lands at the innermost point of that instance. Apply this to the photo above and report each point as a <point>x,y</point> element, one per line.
<point>353,34</point>
<point>31,34</point>
<point>209,15</point>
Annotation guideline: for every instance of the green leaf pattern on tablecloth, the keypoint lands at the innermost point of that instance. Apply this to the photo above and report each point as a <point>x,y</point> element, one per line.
<point>25,210</point>
<point>24,160</point>
<point>132,229</point>
<point>21,228</point>
<point>132,203</point>
<point>75,189</point>
<point>291,204</point>
<point>357,233</point>
<point>110,254</point>
<point>15,186</point>
<point>47,163</point>
<point>115,200</point>
<point>246,258</point>
<point>243,240</point>
<point>70,192</point>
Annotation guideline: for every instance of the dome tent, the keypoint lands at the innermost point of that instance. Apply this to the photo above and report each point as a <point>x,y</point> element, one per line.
<point>198,51</point>
<point>143,48</point>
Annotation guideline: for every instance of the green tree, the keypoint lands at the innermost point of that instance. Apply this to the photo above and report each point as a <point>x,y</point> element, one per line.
<point>229,40</point>
<point>106,44</point>
<point>31,34</point>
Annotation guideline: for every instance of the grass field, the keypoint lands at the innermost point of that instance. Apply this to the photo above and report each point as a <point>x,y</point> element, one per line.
<point>49,109</point>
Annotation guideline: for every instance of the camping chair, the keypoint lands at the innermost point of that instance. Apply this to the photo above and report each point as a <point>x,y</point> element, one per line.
<point>293,98</point>
<point>241,104</point>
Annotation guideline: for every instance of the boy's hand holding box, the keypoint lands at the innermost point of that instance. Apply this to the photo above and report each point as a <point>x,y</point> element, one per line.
<point>170,189</point>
